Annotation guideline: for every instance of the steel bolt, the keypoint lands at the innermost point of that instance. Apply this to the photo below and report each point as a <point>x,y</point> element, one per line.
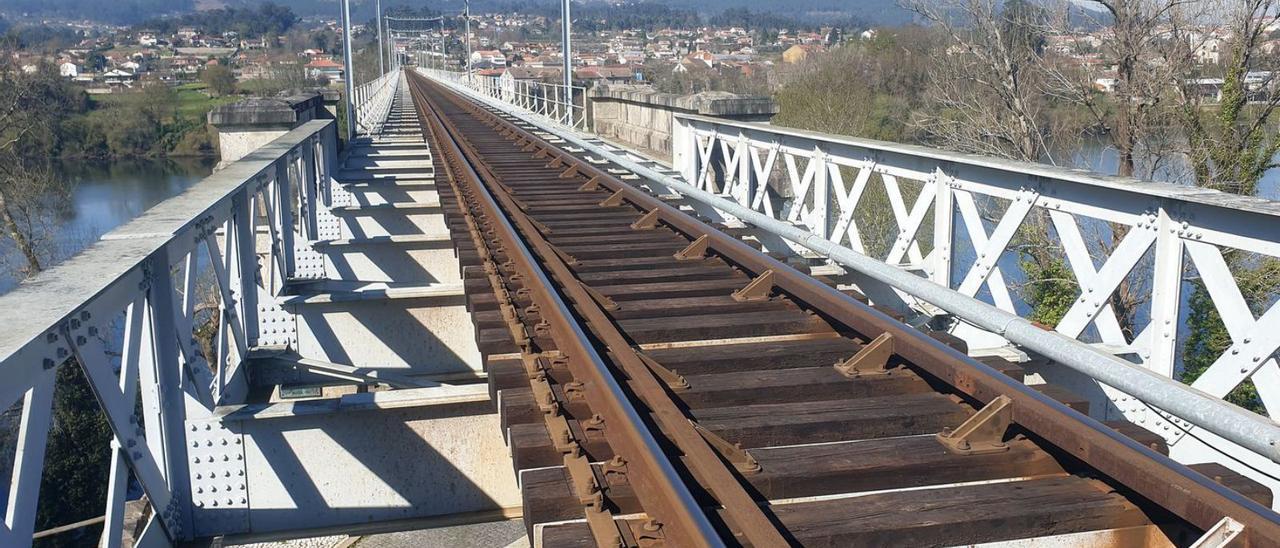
<point>49,363</point>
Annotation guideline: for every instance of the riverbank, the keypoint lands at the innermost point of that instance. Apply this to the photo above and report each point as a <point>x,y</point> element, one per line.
<point>104,194</point>
<point>152,122</point>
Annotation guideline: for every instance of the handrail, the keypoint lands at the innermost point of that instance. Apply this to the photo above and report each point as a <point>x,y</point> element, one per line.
<point>373,102</point>
<point>554,102</point>
<point>133,295</point>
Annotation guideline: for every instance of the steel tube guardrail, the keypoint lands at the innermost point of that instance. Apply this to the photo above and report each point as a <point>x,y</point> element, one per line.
<point>1242,427</point>
<point>557,103</point>
<point>373,101</point>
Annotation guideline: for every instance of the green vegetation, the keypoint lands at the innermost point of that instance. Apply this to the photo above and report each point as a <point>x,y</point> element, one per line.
<point>989,87</point>
<point>155,121</point>
<point>268,19</point>
<point>74,479</point>
<point>220,80</point>
<point>40,37</point>
<point>116,11</point>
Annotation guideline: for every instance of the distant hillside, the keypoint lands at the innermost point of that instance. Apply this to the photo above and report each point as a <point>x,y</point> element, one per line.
<point>113,11</point>
<point>873,12</point>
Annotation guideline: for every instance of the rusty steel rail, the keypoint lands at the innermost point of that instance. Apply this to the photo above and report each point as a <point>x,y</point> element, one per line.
<point>654,473</point>
<point>704,462</point>
<point>649,414</point>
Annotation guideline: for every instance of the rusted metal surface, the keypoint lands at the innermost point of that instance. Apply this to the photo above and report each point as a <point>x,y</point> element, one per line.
<point>652,473</point>
<point>721,362</point>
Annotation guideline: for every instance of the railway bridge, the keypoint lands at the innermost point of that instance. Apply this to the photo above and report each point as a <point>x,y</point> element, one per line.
<point>477,309</point>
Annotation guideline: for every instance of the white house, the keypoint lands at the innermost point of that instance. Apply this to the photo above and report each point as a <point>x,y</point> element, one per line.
<point>147,39</point>
<point>68,70</point>
<point>118,77</point>
<point>1208,50</point>
<point>492,57</point>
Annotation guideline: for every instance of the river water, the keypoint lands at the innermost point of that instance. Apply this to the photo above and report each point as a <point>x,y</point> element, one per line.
<point>104,195</point>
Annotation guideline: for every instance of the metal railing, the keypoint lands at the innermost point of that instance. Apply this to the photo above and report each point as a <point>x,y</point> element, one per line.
<point>373,100</point>
<point>555,102</point>
<point>948,223</point>
<point>955,220</point>
<point>160,316</point>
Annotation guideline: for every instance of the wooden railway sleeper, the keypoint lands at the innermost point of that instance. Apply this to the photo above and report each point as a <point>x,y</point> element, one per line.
<point>1190,500</point>
<point>747,515</point>
<point>982,433</point>
<point>871,359</point>
<point>605,529</point>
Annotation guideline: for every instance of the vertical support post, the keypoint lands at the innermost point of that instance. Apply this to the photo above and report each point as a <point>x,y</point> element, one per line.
<point>744,191</point>
<point>165,430</point>
<point>684,149</point>
<point>311,186</point>
<point>28,464</point>
<point>943,224</point>
<point>118,480</point>
<point>244,276</point>
<point>467,14</point>
<point>382,46</point>
<point>328,158</point>
<point>348,75</point>
<point>1166,289</point>
<point>284,211</point>
<point>821,194</point>
<point>566,31</point>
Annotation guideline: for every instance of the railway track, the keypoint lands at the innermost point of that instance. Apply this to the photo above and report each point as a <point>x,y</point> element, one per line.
<point>661,382</point>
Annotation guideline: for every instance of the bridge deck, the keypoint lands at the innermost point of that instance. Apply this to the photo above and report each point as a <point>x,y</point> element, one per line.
<point>723,359</point>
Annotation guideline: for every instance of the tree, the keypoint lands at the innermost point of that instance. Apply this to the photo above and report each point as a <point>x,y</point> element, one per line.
<point>987,90</point>
<point>1229,146</point>
<point>32,105</point>
<point>989,94</point>
<point>77,461</point>
<point>219,79</point>
<point>1138,117</point>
